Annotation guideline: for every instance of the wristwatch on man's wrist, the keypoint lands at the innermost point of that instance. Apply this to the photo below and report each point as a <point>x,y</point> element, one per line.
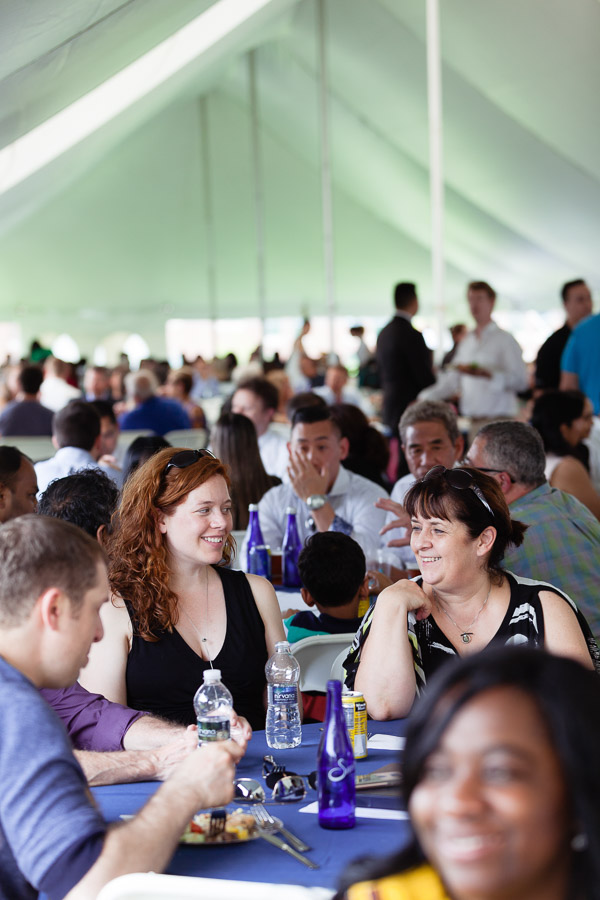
<point>316,501</point>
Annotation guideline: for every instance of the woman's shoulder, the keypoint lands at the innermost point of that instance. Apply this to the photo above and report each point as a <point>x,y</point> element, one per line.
<point>568,465</point>
<point>421,883</point>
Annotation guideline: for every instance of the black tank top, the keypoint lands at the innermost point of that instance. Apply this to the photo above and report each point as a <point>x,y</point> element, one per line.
<point>163,676</point>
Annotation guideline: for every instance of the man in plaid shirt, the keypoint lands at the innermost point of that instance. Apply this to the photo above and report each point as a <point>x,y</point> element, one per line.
<point>562,541</point>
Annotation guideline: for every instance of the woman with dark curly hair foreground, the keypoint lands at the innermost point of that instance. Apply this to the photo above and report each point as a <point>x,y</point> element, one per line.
<point>502,783</point>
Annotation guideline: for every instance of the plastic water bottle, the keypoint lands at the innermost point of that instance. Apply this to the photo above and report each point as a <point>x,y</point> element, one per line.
<point>283,729</point>
<point>259,561</point>
<point>213,705</point>
<point>291,551</point>
<point>336,770</point>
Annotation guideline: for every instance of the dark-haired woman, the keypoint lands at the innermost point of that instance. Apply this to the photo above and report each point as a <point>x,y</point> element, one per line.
<point>177,609</point>
<point>502,785</point>
<point>564,419</point>
<point>233,439</point>
<point>463,599</point>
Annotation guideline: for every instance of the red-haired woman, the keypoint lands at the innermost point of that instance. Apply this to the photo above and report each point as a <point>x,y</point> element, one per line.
<point>176,608</point>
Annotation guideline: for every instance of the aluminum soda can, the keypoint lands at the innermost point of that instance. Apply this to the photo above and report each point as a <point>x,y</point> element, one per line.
<point>355,714</point>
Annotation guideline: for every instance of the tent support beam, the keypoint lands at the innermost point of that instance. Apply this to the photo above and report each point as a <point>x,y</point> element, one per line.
<point>436,175</point>
<point>326,187</point>
<point>259,196</point>
<point>209,220</point>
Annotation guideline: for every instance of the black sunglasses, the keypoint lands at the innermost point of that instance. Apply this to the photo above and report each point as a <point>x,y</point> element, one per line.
<point>461,480</point>
<point>186,458</point>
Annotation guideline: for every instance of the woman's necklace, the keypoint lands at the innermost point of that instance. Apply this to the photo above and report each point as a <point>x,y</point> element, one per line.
<point>466,634</point>
<point>203,638</point>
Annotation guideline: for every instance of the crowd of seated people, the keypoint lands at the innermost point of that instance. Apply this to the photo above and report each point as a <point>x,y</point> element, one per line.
<point>506,542</point>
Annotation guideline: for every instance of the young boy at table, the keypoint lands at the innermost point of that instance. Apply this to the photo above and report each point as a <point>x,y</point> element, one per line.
<point>332,570</point>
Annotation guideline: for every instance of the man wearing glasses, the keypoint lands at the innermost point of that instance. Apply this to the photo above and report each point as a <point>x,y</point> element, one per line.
<point>562,541</point>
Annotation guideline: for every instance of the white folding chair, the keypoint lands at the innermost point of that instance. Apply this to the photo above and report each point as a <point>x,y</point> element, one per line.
<point>192,438</point>
<point>316,655</point>
<point>149,886</point>
<point>36,448</point>
<point>126,438</point>
<point>237,562</point>
<point>338,673</point>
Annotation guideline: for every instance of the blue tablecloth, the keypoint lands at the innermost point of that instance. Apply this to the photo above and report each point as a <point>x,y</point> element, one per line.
<point>259,861</point>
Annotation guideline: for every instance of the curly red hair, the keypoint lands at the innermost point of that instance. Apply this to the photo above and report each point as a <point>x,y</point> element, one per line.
<point>139,569</point>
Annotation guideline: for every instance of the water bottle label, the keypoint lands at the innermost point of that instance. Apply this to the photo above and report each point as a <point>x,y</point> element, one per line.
<point>283,693</point>
<point>213,730</point>
<point>340,772</point>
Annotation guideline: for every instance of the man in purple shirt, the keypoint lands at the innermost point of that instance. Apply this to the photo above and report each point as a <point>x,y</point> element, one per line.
<point>149,747</point>
<point>53,839</point>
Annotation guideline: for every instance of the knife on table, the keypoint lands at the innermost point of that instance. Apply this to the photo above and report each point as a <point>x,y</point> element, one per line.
<point>281,844</point>
<point>295,842</point>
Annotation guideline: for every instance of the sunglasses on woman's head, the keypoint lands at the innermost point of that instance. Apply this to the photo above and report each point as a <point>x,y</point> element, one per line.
<point>186,458</point>
<point>461,480</point>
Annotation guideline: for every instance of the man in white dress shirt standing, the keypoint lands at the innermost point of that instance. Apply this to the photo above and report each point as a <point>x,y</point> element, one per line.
<point>488,369</point>
<point>326,496</point>
<point>258,399</point>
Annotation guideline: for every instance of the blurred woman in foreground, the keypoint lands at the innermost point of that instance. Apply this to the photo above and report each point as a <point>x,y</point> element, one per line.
<point>462,601</point>
<point>502,785</point>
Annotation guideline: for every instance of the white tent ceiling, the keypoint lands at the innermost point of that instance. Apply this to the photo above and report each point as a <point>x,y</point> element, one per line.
<point>112,235</point>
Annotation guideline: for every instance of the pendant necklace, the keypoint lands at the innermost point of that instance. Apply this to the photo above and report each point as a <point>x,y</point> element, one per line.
<point>203,638</point>
<point>466,635</point>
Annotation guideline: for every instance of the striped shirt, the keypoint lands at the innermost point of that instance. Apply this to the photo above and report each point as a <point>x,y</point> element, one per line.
<point>523,623</point>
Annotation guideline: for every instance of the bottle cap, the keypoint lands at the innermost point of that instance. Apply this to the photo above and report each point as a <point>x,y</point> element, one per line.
<point>282,646</point>
<point>212,675</point>
<point>252,507</point>
<point>290,510</point>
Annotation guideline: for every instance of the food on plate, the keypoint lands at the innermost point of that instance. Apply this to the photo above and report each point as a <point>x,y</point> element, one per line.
<point>239,826</point>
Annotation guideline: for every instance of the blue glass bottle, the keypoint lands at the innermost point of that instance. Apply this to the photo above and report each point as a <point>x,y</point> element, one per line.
<point>336,772</point>
<point>291,551</point>
<point>259,561</point>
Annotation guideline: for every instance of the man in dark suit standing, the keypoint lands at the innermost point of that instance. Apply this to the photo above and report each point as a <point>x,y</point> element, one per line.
<point>403,358</point>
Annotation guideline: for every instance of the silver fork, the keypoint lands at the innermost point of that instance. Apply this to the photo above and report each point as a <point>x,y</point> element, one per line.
<point>265,820</point>
<point>218,820</point>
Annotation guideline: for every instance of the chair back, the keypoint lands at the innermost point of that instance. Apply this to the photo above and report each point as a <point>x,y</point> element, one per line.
<point>36,448</point>
<point>316,656</point>
<point>191,438</point>
<point>338,673</point>
<point>126,438</point>
<point>237,562</point>
<point>149,886</point>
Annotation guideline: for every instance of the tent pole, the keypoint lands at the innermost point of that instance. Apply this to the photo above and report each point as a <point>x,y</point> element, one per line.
<point>436,176</point>
<point>326,188</point>
<point>209,222</point>
<point>259,196</point>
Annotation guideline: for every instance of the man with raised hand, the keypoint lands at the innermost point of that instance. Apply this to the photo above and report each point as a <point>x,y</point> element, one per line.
<point>53,582</point>
<point>326,496</point>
